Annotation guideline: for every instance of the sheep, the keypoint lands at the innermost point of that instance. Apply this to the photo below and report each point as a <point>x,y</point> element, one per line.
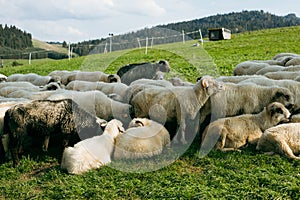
<point>33,78</point>
<point>179,104</point>
<point>294,68</point>
<point>44,119</point>
<point>239,99</point>
<point>283,139</point>
<point>283,55</point>
<point>94,152</point>
<point>271,68</point>
<point>143,139</point>
<point>237,79</point>
<point>282,75</point>
<point>97,103</point>
<point>248,68</point>
<point>106,88</point>
<point>3,78</point>
<point>292,85</point>
<point>94,76</point>
<point>176,81</point>
<point>132,72</point>
<point>231,133</point>
<point>293,61</point>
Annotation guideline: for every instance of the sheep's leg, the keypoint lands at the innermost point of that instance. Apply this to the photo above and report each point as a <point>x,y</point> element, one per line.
<point>287,151</point>
<point>46,143</point>
<point>14,153</point>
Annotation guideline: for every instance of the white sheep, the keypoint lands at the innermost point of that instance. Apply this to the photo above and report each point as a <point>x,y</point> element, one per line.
<point>237,79</point>
<point>239,99</point>
<point>176,81</point>
<point>179,105</point>
<point>283,139</point>
<point>294,61</point>
<point>94,152</point>
<point>271,68</point>
<point>282,75</point>
<point>33,78</point>
<point>106,88</point>
<point>143,139</point>
<point>249,67</point>
<point>232,133</point>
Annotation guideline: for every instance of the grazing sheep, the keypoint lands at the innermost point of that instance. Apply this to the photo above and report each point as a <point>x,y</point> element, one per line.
<point>143,139</point>
<point>283,139</point>
<point>232,133</point>
<point>176,104</point>
<point>44,119</point>
<point>132,72</point>
<point>239,99</point>
<point>282,75</point>
<point>94,152</point>
<point>248,67</point>
<point>96,76</point>
<point>283,55</point>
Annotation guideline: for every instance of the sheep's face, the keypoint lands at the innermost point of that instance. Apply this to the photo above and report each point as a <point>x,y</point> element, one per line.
<point>285,97</point>
<point>278,112</point>
<point>211,85</point>
<point>164,66</point>
<point>139,122</point>
<point>114,127</point>
<point>113,78</point>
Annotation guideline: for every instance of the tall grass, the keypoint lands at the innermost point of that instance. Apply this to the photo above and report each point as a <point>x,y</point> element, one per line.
<point>231,175</point>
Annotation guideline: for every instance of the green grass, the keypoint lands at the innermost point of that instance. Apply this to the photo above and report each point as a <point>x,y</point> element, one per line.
<point>231,175</point>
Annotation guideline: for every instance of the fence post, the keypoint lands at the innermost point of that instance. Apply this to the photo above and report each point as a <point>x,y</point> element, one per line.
<point>183,39</point>
<point>29,59</point>
<point>201,39</point>
<point>146,45</point>
<point>138,39</point>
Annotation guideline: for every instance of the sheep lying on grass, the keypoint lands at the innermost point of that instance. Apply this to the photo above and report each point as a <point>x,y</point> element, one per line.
<point>143,139</point>
<point>94,152</point>
<point>43,119</point>
<point>283,139</point>
<point>234,132</point>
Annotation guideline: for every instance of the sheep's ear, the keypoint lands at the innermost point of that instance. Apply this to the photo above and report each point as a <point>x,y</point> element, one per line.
<point>205,83</point>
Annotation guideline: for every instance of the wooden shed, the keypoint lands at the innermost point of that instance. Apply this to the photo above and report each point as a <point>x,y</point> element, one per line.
<point>219,34</point>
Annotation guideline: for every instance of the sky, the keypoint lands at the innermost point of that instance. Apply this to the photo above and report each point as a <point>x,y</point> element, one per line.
<point>81,20</point>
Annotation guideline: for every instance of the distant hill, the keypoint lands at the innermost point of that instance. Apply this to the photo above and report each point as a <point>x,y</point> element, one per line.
<point>49,47</point>
<point>237,22</point>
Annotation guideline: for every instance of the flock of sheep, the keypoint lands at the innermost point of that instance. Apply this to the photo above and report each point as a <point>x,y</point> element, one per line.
<point>136,113</point>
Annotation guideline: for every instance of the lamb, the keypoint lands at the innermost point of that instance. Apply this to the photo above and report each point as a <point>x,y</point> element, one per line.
<point>90,76</point>
<point>239,99</point>
<point>44,119</point>
<point>143,139</point>
<point>177,104</point>
<point>283,139</point>
<point>132,72</point>
<point>231,133</point>
<point>94,152</point>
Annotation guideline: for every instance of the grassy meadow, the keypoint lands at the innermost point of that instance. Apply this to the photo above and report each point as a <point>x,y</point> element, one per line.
<point>231,175</point>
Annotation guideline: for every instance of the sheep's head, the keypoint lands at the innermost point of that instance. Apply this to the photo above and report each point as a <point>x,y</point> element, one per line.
<point>114,127</point>
<point>278,112</point>
<point>285,97</point>
<point>139,122</point>
<point>164,66</point>
<point>210,85</point>
<point>113,78</point>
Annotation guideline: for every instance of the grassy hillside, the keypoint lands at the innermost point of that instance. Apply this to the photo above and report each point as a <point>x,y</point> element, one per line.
<point>50,47</point>
<point>230,175</point>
